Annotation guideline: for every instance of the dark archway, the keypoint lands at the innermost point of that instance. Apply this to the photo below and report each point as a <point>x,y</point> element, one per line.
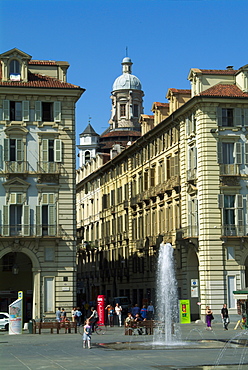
<point>16,275</point>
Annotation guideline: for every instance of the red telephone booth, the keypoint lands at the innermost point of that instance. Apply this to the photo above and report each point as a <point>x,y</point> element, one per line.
<point>101,309</point>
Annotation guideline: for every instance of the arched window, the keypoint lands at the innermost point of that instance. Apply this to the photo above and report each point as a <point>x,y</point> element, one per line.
<point>14,67</point>
<point>87,156</point>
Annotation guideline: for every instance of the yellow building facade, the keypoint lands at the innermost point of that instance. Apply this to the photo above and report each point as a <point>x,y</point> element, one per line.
<point>184,181</point>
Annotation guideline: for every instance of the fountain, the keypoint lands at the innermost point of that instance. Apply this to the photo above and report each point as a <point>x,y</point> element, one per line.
<point>166,298</point>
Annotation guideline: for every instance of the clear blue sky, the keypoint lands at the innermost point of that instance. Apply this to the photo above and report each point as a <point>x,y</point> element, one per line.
<point>165,38</point>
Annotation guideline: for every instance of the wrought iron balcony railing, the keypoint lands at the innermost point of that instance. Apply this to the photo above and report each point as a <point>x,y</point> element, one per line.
<point>48,167</point>
<point>21,230</point>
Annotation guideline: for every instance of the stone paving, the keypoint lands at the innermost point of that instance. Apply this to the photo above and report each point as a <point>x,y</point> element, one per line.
<point>205,350</point>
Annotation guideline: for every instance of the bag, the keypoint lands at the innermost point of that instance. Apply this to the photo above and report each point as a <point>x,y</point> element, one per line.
<point>211,317</point>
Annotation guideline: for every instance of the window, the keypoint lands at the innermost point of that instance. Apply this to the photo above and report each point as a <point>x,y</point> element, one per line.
<point>122,110</point>
<point>16,217</point>
<point>230,288</point>
<point>227,118</point>
<point>49,294</point>
<point>229,156</point>
<point>193,217</point>
<point>16,110</point>
<point>48,111</point>
<point>46,216</point>
<point>135,110</point>
<point>232,213</point>
<point>51,152</point>
<point>87,156</point>
<point>14,67</point>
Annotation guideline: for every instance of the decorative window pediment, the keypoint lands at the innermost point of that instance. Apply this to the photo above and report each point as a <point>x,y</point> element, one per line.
<point>15,65</point>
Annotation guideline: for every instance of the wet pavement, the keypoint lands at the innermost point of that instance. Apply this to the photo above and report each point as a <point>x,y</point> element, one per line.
<point>200,349</point>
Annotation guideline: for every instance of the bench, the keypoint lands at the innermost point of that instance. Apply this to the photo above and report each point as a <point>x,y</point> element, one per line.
<point>146,326</point>
<point>54,325</point>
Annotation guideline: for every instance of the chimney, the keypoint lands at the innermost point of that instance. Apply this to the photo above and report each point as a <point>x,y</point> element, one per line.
<point>230,68</point>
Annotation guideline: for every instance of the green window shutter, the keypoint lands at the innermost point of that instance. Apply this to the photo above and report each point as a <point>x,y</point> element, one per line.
<point>246,117</point>
<point>6,220</point>
<point>38,111</point>
<point>246,153</point>
<point>19,150</point>
<point>44,150</point>
<point>238,116</point>
<point>238,153</point>
<point>6,150</point>
<point>5,110</point>
<point>221,200</point>
<point>12,198</point>
<point>38,221</point>
<point>57,111</point>
<point>26,221</point>
<point>51,198</point>
<point>44,198</point>
<point>25,110</point>
<point>220,155</point>
<point>51,220</point>
<point>219,116</point>
<point>58,150</point>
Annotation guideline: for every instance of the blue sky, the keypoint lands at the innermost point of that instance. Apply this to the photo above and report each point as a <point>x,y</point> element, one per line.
<point>165,38</point>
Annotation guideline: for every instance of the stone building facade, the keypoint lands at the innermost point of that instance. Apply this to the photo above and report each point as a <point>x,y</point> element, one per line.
<point>37,184</point>
<point>184,181</point>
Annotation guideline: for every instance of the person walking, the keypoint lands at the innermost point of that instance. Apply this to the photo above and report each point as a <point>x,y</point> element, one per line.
<point>225,316</point>
<point>58,315</point>
<point>209,318</point>
<point>78,316</point>
<point>143,312</point>
<point>118,310</point>
<point>87,334</point>
<point>150,311</point>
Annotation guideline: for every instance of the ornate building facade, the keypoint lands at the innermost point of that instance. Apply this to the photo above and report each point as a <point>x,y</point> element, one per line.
<point>37,184</point>
<point>184,181</point>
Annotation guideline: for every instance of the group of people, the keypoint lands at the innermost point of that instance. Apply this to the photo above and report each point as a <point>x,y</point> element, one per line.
<point>224,316</point>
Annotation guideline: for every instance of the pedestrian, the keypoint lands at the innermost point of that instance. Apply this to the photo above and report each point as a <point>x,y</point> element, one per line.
<point>73,311</point>
<point>87,334</point>
<point>209,318</point>
<point>150,311</point>
<point>135,310</point>
<point>93,318</point>
<point>110,310</point>
<point>63,315</point>
<point>225,316</point>
<point>118,310</point>
<point>143,312</point>
<point>78,316</point>
<point>58,314</point>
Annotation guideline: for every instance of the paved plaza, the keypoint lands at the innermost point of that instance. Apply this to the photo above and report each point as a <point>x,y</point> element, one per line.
<point>203,350</point>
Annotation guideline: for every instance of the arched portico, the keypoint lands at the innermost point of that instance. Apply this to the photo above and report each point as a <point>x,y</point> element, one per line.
<point>20,270</point>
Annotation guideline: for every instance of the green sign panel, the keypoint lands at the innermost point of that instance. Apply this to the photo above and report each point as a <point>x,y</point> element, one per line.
<point>184,311</point>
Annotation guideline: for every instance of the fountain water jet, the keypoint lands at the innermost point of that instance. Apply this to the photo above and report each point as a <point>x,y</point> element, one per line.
<point>167,312</point>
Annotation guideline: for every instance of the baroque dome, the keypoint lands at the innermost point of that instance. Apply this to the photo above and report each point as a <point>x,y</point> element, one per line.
<point>127,81</point>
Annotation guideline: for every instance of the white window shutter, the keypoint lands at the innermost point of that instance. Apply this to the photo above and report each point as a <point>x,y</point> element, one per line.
<point>51,220</point>
<point>19,150</point>
<point>25,110</point>
<point>238,116</point>
<point>246,153</point>
<point>195,156</point>
<point>38,221</point>
<point>246,116</point>
<point>238,153</point>
<point>187,126</point>
<point>220,152</point>
<point>58,150</point>
<point>57,111</point>
<point>240,221</point>
<point>219,116</point>
<point>6,220</point>
<point>5,110</point>
<point>44,150</point>
<point>6,150</point>
<point>221,200</point>
<point>26,221</point>
<point>38,111</point>
<point>239,201</point>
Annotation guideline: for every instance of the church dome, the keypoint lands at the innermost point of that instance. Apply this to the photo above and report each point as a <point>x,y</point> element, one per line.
<point>126,81</point>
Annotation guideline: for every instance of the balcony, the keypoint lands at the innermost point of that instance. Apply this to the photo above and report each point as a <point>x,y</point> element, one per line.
<point>234,230</point>
<point>16,167</point>
<point>48,168</point>
<point>191,174</point>
<point>190,231</point>
<point>229,169</point>
<point>41,231</point>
